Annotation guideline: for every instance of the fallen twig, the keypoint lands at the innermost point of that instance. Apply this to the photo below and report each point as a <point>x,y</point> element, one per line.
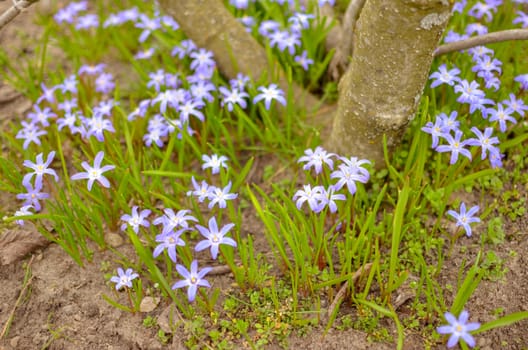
<point>13,11</point>
<point>343,290</point>
<point>490,38</point>
<point>219,270</point>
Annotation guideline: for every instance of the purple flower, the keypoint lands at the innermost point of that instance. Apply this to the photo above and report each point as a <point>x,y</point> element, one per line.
<point>267,27</point>
<point>469,91</point>
<point>220,196</point>
<point>145,54</point>
<point>521,19</point>
<point>92,69</point>
<point>214,162</point>
<point>157,79</point>
<point>436,130</point>
<point>458,328</point>
<point>165,98</point>
<point>485,141</point>
<point>444,76</point>
<point>96,127</point>
<point>104,83</point>
<point>323,2</point>
<point>239,82</point>
<point>300,21</point>
<point>214,237</point>
<point>40,168</point>
<point>291,41</point>
<point>140,110</point>
<point>87,21</point>
<point>453,36</point>
<point>30,133</point>
<point>312,196</point>
<point>482,9</point>
<point>449,122</point>
<point>68,105</point>
<point>64,15</point>
<point>233,97</point>
<point>154,135</point>
<point>94,173</point>
<point>186,47</point>
<point>239,4</point>
<point>191,107</point>
<point>201,58</point>
<point>516,105</point>
<point>459,6</point>
<point>170,220</point>
<point>316,159</point>
<point>350,173</point>
<point>201,190</point>
<point>523,80</point>
<point>24,210</point>
<point>192,279</point>
<point>201,90</point>
<point>502,116</point>
<point>495,157</point>
<point>480,51</point>
<point>464,218</point>
<point>455,146</point>
<point>136,219</point>
<point>272,92</point>
<point>148,25</point>
<point>104,108</point>
<point>69,85</point>
<point>303,60</point>
<point>47,94</point>
<point>169,240</point>
<point>477,28</point>
<point>124,278</point>
<point>328,198</point>
<point>33,196</point>
<point>278,38</point>
<point>484,64</point>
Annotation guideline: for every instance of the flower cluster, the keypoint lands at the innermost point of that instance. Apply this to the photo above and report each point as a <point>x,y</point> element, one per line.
<point>348,173</point>
<point>284,39</point>
<point>472,93</point>
<point>175,224</point>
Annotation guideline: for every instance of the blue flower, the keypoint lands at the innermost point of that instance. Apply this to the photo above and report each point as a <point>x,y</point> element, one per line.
<point>214,162</point>
<point>316,158</point>
<point>94,173</point>
<point>464,218</point>
<point>268,94</point>
<point>214,237</point>
<point>455,146</point>
<point>136,219</point>
<point>192,279</point>
<point>444,76</point>
<point>169,240</point>
<point>40,168</point>
<point>458,328</point>
<point>124,278</point>
<point>220,196</point>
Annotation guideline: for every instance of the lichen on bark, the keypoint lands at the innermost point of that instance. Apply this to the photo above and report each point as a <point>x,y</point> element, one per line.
<point>392,55</point>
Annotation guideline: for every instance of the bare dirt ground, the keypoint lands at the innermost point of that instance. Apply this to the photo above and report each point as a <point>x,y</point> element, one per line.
<point>62,307</point>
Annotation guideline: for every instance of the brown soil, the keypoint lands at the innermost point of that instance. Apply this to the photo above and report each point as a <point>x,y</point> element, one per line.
<point>62,306</point>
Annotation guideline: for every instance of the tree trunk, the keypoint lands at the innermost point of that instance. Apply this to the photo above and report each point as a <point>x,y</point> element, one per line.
<point>211,26</point>
<point>379,93</point>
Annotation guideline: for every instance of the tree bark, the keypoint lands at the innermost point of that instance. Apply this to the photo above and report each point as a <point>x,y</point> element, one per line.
<point>380,91</point>
<point>211,26</point>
